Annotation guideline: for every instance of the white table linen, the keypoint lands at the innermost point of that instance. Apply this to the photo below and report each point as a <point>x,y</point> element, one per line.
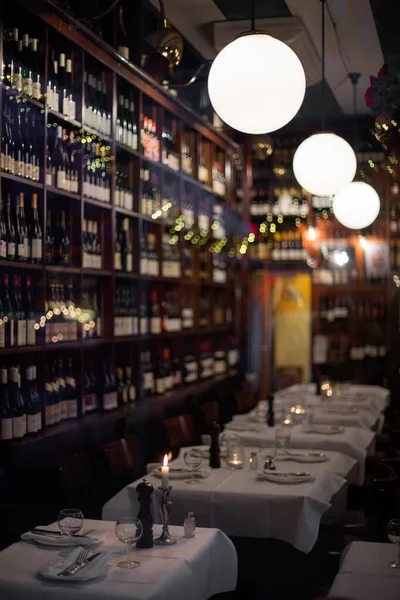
<point>240,505</point>
<point>354,441</point>
<point>194,568</point>
<point>365,573</point>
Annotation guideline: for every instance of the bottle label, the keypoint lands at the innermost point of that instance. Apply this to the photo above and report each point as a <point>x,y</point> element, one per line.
<point>27,85</point>
<point>148,381</point>
<point>129,263</point>
<point>3,249</point>
<point>28,170</point>
<point>117,261</point>
<point>72,409</point>
<point>110,401</point>
<point>132,393</point>
<point>19,426</point>
<point>39,424</point>
<point>60,183</point>
<point>37,249</point>
<point>6,431</point>
<point>26,248</point>
<point>124,52</point>
<point>21,250</point>
<point>143,327</point>
<point>155,325</point>
<point>32,423</point>
<point>30,333</point>
<point>21,333</point>
<point>144,268</point>
<point>160,385</point>
<point>12,333</point>
<point>11,250</point>
<point>36,90</point>
<point>17,81</point>
<point>2,336</point>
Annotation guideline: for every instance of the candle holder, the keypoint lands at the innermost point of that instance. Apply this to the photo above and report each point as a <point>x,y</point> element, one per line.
<point>165,538</point>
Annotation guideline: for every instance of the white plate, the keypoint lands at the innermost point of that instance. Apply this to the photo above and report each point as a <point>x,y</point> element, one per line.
<point>97,568</point>
<point>92,539</point>
<point>285,478</point>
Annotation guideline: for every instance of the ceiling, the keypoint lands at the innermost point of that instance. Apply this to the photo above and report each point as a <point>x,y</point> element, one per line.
<point>364,31</point>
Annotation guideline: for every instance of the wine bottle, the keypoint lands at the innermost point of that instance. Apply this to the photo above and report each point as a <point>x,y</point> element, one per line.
<point>6,412</point>
<point>38,403</point>
<point>58,161</point>
<point>35,234</point>
<point>30,403</point>
<point>36,85</point>
<point>3,230</point>
<point>121,388</point>
<point>72,399</point>
<point>62,247</point>
<point>122,36</point>
<point>8,315</point>
<point>18,408</point>
<point>155,311</point>
<point>49,240</point>
<point>117,253</point>
<point>29,315</point>
<point>160,377</point>
<point>24,229</point>
<point>126,248</point>
<point>19,311</point>
<point>129,385</point>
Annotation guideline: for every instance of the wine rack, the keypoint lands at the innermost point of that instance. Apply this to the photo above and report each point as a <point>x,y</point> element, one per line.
<point>133,192</point>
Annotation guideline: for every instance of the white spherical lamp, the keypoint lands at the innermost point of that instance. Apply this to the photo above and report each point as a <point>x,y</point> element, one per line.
<point>324,163</point>
<point>256,83</point>
<point>357,205</point>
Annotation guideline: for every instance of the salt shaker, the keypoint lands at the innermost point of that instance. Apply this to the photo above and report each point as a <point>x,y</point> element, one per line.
<point>189,525</point>
<point>253,462</point>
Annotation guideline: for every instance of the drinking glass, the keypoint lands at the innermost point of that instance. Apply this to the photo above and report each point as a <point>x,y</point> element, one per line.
<point>282,437</point>
<point>193,463</point>
<point>394,536</point>
<point>128,530</point>
<point>70,522</point>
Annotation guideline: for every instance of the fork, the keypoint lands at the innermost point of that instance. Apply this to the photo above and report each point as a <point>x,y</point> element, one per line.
<point>82,556</point>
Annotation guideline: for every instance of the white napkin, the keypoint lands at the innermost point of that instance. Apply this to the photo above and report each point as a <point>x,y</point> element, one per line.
<point>244,426</point>
<point>284,477</point>
<point>341,410</point>
<point>306,457</point>
<point>183,473</point>
<point>95,568</point>
<point>325,429</point>
<point>93,538</point>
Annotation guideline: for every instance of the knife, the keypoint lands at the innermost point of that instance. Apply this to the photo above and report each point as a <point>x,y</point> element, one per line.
<point>50,533</point>
<point>83,565</point>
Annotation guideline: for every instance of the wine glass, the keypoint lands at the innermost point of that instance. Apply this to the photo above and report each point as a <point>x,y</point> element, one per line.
<point>70,522</point>
<point>394,536</point>
<point>193,463</point>
<point>128,530</point>
<point>282,437</point>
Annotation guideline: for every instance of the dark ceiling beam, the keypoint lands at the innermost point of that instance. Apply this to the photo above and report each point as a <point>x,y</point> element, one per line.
<point>387,17</point>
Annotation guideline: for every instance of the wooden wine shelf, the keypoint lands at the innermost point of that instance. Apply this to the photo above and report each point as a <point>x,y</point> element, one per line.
<point>57,192</point>
<point>21,180</point>
<point>63,118</point>
<point>93,202</point>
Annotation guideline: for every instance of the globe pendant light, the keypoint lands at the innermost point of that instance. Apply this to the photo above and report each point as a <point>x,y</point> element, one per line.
<point>256,83</point>
<point>357,205</point>
<point>324,163</point>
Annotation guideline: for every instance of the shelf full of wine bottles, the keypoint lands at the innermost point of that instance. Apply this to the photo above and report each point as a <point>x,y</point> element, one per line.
<point>112,202</point>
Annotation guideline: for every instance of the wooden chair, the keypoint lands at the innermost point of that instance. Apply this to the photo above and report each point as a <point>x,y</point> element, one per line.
<point>180,431</point>
<point>246,398</point>
<point>287,376</point>
<point>210,413</point>
<point>121,457</point>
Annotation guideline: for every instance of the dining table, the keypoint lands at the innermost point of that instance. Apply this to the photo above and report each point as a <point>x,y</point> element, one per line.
<point>197,567</point>
<point>355,442</point>
<point>365,573</point>
<point>245,503</point>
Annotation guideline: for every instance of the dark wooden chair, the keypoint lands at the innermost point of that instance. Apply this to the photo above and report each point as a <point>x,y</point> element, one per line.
<point>246,398</point>
<point>210,413</point>
<point>180,431</point>
<point>121,458</point>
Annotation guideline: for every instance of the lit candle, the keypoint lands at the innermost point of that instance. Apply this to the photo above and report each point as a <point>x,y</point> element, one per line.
<point>164,473</point>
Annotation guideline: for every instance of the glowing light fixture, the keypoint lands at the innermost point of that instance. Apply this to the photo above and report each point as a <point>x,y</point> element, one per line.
<point>357,205</point>
<point>256,83</point>
<point>324,162</point>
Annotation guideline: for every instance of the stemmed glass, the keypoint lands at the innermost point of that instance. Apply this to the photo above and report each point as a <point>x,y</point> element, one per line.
<point>193,463</point>
<point>394,536</point>
<point>128,530</point>
<point>282,437</point>
<point>70,522</point>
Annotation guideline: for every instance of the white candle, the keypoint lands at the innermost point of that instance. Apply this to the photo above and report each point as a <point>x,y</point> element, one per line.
<point>164,473</point>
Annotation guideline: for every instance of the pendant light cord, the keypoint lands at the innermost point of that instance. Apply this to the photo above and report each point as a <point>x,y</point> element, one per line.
<point>253,17</point>
<point>354,78</point>
<point>323,66</point>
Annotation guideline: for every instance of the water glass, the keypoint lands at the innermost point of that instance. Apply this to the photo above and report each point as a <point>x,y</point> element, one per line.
<point>282,437</point>
<point>128,530</point>
<point>394,536</point>
<point>193,463</point>
<point>70,521</point>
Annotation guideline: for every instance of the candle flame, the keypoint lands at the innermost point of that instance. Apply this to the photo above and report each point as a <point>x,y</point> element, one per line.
<point>165,461</point>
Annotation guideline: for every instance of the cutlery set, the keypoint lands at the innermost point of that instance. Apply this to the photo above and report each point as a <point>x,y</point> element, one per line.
<point>79,563</point>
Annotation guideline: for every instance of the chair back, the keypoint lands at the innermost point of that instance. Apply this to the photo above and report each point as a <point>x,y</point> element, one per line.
<point>121,456</point>
<point>381,501</point>
<point>180,431</point>
<point>211,413</point>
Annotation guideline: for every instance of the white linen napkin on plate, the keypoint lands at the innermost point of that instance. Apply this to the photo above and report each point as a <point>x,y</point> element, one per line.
<point>183,473</point>
<point>284,477</point>
<point>95,568</point>
<point>95,537</point>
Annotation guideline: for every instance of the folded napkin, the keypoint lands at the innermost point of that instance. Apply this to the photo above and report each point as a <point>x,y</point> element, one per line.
<point>183,473</point>
<point>284,477</point>
<point>93,538</point>
<point>303,457</point>
<point>95,568</point>
<point>328,429</point>
<point>244,426</point>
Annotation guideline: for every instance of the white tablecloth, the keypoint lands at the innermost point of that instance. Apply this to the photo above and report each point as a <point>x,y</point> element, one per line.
<point>240,505</point>
<point>354,441</point>
<point>375,395</point>
<point>365,575</point>
<point>195,568</point>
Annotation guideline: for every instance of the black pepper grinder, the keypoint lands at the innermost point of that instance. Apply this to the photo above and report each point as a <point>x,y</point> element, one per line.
<point>215,461</point>
<point>144,491</point>
<point>270,412</point>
